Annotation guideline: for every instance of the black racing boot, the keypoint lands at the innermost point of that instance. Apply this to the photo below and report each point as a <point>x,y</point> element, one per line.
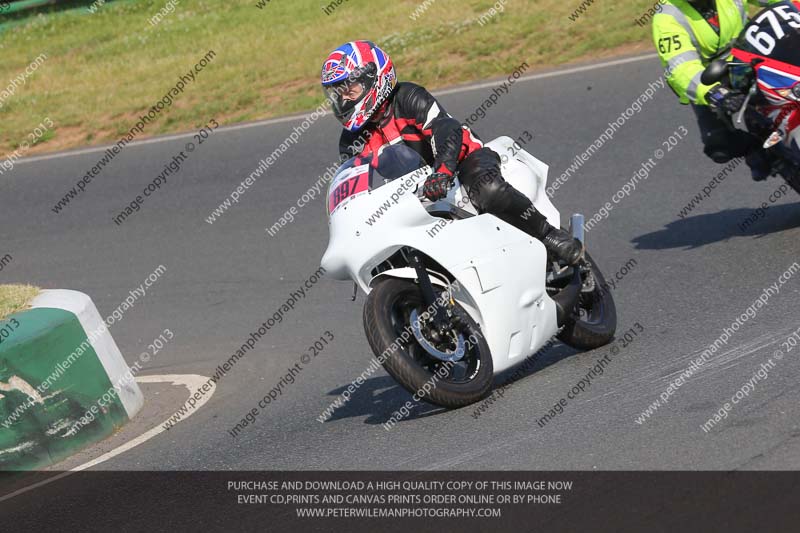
<point>562,245</point>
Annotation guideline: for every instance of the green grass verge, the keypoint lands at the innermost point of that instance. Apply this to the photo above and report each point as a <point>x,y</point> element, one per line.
<point>103,69</point>
<point>14,298</point>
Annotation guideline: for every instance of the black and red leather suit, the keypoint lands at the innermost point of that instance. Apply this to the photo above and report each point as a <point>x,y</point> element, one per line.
<point>413,115</point>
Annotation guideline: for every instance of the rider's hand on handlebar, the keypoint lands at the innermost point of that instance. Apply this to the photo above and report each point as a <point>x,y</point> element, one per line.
<point>437,185</point>
<point>726,100</point>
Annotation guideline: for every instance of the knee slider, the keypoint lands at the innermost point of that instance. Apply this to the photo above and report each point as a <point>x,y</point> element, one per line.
<point>716,145</point>
<point>718,157</point>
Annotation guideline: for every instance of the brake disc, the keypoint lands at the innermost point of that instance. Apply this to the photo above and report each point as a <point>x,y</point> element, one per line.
<point>451,356</point>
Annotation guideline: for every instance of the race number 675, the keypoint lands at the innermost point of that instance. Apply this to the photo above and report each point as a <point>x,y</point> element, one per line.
<point>669,44</point>
<point>764,39</point>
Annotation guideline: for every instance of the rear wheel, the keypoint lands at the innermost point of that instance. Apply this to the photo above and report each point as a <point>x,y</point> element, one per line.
<point>594,321</point>
<point>389,314</point>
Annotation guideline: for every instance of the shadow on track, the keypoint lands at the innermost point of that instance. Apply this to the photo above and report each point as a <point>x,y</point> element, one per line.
<point>699,230</point>
<point>381,397</point>
<point>378,398</point>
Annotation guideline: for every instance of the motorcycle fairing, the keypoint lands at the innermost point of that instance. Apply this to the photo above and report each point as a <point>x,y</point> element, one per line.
<point>500,269</point>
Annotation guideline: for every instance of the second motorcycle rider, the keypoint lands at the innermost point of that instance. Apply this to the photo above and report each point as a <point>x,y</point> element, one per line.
<point>689,34</point>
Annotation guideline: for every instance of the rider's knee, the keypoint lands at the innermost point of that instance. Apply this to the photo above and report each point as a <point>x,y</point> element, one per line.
<point>722,145</point>
<point>481,165</point>
<point>718,155</point>
<point>480,173</point>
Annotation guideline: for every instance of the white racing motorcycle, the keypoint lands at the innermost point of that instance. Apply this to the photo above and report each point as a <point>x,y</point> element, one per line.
<point>455,297</point>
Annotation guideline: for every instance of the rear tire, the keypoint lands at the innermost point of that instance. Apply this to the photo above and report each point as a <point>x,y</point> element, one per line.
<point>387,323</point>
<point>597,320</point>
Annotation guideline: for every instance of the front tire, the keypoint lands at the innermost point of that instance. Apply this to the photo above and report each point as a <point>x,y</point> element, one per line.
<point>387,319</point>
<point>793,179</point>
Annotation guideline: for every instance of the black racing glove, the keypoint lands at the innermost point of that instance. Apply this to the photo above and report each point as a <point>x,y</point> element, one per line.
<point>437,185</point>
<point>726,100</point>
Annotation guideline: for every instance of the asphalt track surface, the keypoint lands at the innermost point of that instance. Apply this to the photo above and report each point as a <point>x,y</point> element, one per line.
<point>692,278</point>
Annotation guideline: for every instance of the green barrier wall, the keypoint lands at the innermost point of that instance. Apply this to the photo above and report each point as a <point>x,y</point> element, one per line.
<point>50,377</point>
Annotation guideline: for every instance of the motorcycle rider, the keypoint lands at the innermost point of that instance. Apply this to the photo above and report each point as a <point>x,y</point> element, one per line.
<point>360,81</point>
<point>689,34</point>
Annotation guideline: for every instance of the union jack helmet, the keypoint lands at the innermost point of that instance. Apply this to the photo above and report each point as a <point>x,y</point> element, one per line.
<point>357,63</point>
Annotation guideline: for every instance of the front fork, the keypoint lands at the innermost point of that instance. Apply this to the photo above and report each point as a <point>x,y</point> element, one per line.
<point>567,299</point>
<point>442,315</point>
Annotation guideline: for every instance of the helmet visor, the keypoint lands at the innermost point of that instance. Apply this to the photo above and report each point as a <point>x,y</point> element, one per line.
<point>346,95</point>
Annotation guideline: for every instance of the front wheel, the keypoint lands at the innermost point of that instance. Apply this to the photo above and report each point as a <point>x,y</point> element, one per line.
<point>389,318</point>
<point>788,169</point>
<point>594,321</point>
<point>792,177</point>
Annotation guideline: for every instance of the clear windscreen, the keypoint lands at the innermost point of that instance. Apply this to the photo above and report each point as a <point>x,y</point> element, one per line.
<point>397,160</point>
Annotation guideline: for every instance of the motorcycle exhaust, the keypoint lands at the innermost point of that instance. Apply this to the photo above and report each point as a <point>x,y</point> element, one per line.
<point>568,297</point>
